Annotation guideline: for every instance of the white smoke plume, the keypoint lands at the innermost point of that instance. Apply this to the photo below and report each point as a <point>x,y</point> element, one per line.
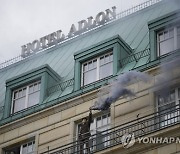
<point>119,89</point>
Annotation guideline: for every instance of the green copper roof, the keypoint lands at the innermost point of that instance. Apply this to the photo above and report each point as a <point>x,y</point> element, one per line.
<point>133,29</point>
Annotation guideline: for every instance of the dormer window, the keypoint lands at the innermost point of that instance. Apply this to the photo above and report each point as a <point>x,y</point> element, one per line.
<point>97,68</point>
<point>164,35</point>
<point>28,90</point>
<point>167,40</point>
<point>95,64</point>
<point>26,96</point>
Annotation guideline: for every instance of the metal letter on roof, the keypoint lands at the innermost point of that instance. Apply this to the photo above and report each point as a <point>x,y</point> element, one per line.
<point>60,36</point>
<point>51,38</point>
<point>83,24</point>
<point>43,42</point>
<point>72,30</point>
<point>57,37</point>
<point>100,18</point>
<point>35,45</point>
<point>26,50</point>
<point>112,13</point>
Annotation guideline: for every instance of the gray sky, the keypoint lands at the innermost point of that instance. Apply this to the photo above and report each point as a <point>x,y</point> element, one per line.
<point>23,21</point>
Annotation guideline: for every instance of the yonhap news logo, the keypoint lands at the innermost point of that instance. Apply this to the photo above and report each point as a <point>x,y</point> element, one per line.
<point>128,140</point>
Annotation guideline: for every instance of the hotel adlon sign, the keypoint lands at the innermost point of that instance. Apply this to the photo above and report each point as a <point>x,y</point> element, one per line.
<point>58,36</point>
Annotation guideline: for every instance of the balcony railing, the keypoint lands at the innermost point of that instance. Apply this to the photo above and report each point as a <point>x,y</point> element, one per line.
<point>137,8</point>
<point>112,137</point>
<point>60,86</point>
<point>135,57</point>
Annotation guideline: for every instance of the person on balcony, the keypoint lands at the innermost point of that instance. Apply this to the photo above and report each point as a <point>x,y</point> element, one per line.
<point>84,133</point>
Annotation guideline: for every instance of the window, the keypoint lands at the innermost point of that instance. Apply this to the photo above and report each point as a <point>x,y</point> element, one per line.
<point>26,97</point>
<point>167,105</point>
<point>23,91</point>
<point>26,148</point>
<point>98,61</point>
<point>99,125</point>
<point>168,40</point>
<point>97,68</point>
<point>99,139</point>
<point>164,35</point>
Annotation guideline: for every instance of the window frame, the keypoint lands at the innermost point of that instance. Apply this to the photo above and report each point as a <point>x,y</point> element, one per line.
<point>175,38</point>
<point>27,87</point>
<point>107,126</point>
<point>27,143</point>
<point>98,65</point>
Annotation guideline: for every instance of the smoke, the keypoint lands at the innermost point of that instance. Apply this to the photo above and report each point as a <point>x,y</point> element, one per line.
<point>118,89</point>
<point>169,69</point>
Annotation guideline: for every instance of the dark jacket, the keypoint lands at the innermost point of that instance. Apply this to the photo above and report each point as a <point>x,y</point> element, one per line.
<point>84,132</point>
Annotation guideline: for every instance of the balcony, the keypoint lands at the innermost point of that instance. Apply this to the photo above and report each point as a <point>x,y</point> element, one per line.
<point>112,137</point>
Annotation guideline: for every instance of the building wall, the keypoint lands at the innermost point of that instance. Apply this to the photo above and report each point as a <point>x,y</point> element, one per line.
<point>55,126</point>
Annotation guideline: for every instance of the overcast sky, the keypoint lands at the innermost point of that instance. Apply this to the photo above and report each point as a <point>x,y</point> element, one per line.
<point>23,21</point>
